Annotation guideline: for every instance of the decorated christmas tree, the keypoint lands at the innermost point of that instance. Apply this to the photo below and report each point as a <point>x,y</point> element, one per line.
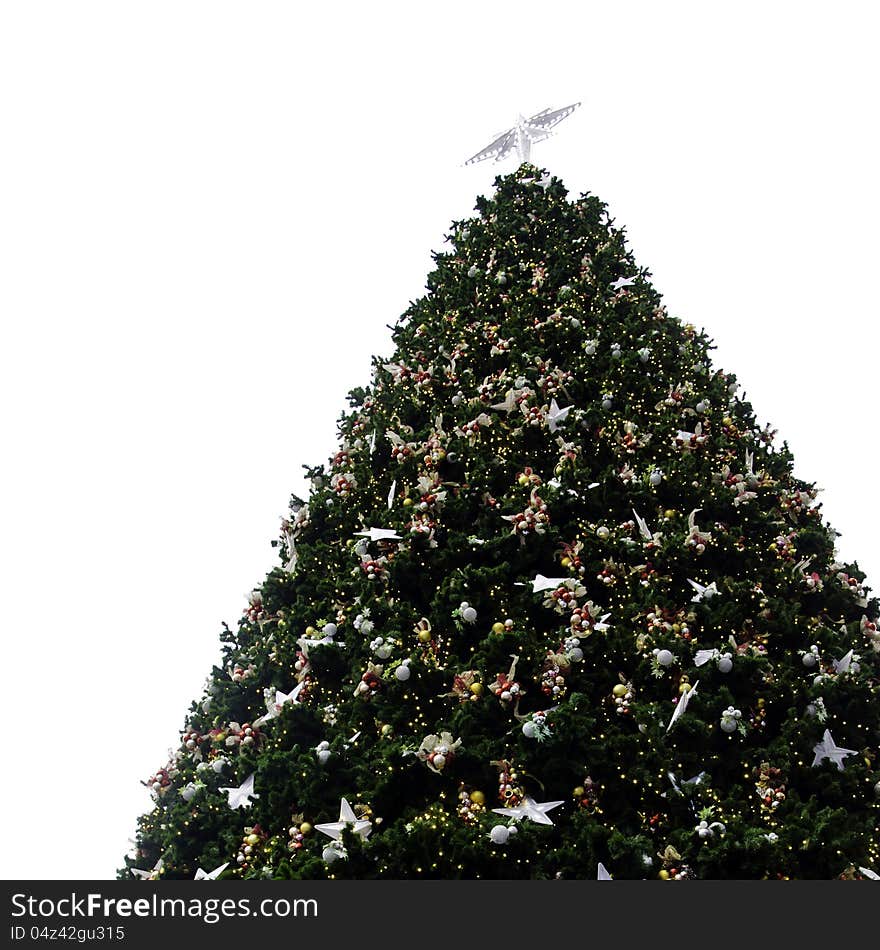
<point>558,604</point>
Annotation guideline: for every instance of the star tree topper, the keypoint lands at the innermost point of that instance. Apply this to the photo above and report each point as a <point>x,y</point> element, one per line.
<point>522,135</point>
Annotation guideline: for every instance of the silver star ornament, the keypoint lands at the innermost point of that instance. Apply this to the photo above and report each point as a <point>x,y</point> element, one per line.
<point>241,796</point>
<point>828,749</point>
<point>534,811</point>
<point>347,819</point>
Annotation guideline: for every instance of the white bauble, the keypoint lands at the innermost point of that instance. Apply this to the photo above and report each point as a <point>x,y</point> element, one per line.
<point>607,402</point>
<point>656,477</point>
<point>323,756</point>
<point>329,629</point>
<point>728,724</point>
<point>403,673</point>
<point>701,406</point>
<point>473,271</point>
<point>809,660</point>
<point>575,654</point>
<point>725,664</point>
<point>499,834</point>
<point>439,761</point>
<point>665,657</point>
<point>383,651</point>
<point>530,730</point>
<point>469,614</point>
<point>602,532</point>
<point>330,854</point>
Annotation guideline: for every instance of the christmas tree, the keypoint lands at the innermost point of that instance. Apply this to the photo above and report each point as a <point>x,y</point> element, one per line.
<point>557,604</point>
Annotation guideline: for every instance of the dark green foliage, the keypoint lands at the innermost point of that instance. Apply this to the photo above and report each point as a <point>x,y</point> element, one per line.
<point>522,311</point>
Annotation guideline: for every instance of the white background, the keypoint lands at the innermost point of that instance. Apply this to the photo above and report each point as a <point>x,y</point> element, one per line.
<point>209,212</point>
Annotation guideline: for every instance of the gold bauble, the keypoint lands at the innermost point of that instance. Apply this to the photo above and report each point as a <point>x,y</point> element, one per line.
<point>310,631</point>
<point>669,513</point>
<point>619,690</point>
<point>305,828</point>
<point>476,689</point>
<point>252,839</point>
<point>579,792</point>
<point>478,798</point>
<point>425,636</point>
<point>566,562</point>
<point>523,479</point>
<point>407,502</point>
<point>498,627</point>
<point>663,875</point>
